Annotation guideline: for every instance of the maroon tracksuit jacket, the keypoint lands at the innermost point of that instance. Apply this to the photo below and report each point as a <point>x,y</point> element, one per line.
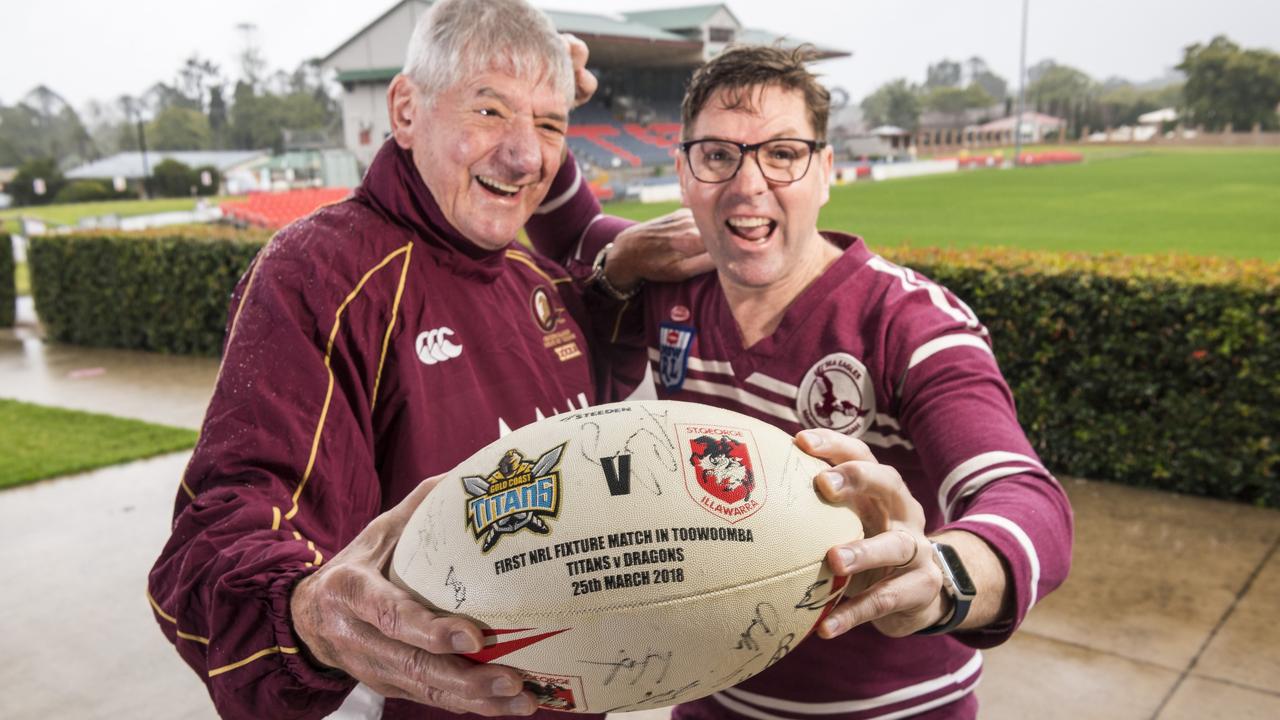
<point>369,347</point>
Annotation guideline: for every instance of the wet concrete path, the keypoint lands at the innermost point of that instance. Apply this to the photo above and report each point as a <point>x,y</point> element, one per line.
<point>1170,612</point>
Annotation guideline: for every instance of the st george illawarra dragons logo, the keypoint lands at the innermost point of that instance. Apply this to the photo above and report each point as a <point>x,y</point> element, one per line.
<point>516,496</point>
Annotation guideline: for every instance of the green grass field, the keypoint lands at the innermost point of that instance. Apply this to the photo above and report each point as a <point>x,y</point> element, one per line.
<point>42,442</point>
<point>22,278</point>
<point>1215,201</point>
<point>70,214</point>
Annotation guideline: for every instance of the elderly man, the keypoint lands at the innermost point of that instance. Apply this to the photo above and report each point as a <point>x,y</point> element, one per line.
<point>373,344</point>
<point>813,332</point>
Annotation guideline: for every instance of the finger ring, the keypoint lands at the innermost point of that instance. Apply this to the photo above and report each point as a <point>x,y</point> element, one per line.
<point>915,550</point>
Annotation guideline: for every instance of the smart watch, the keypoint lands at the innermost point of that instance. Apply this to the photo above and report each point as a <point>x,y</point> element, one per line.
<point>957,584</point>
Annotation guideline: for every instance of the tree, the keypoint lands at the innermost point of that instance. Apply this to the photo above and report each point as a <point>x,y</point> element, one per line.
<point>944,73</point>
<point>1060,88</point>
<point>258,118</point>
<point>127,139</point>
<point>43,125</point>
<point>253,125</point>
<point>215,180</point>
<point>161,95</point>
<point>104,121</point>
<point>196,78</point>
<point>894,103</point>
<point>33,175</point>
<point>981,75</point>
<point>171,178</point>
<point>1230,86</point>
<point>78,191</point>
<point>1035,72</point>
<point>21,138</point>
<point>1121,103</point>
<point>252,64</point>
<point>954,99</point>
<point>179,128</point>
<point>217,117</point>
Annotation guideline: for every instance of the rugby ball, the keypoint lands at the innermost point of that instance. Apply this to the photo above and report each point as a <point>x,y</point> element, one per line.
<point>630,556</point>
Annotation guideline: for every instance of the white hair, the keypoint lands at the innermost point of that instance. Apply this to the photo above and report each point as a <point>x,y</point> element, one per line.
<point>457,39</point>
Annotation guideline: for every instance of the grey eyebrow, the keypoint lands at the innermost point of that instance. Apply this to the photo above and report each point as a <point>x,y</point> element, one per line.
<point>491,93</point>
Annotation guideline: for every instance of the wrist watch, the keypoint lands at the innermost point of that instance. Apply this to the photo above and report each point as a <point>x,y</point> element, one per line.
<point>601,280</point>
<point>957,584</point>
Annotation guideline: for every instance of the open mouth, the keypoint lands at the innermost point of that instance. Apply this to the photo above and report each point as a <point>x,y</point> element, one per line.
<point>500,189</point>
<point>753,229</point>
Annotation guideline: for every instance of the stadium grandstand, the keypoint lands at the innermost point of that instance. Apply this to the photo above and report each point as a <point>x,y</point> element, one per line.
<point>642,60</point>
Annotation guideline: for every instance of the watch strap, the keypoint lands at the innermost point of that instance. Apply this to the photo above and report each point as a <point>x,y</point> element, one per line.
<point>960,601</point>
<point>601,280</point>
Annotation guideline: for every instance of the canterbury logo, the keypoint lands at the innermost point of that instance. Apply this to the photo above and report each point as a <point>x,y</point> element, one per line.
<point>434,346</point>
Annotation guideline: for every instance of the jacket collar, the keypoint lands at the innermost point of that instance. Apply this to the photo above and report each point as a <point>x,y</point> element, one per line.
<point>393,185</point>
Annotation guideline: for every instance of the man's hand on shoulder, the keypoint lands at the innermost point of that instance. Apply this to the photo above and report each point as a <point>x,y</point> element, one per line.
<point>665,249</point>
<point>584,83</point>
<point>350,617</point>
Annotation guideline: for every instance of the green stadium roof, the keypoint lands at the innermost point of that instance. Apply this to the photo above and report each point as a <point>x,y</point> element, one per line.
<point>641,38</point>
<point>677,18</point>
<point>750,36</point>
<point>591,24</point>
<point>368,75</point>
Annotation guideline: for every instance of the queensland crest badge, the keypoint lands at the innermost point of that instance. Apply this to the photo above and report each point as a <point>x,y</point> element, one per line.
<point>674,344</point>
<point>542,309</point>
<point>720,473</point>
<point>516,496</point>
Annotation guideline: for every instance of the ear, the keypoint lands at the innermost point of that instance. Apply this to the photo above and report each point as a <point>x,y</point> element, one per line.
<point>403,100</point>
<point>826,162</point>
<point>682,172</point>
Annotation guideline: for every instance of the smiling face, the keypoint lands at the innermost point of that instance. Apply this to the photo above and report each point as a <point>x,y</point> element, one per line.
<point>761,234</point>
<point>487,148</point>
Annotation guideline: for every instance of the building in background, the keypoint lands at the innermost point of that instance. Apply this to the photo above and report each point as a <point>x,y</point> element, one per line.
<point>642,60</point>
<point>237,167</point>
<point>1035,126</point>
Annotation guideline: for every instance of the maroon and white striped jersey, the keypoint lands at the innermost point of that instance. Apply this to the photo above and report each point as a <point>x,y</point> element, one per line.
<point>881,353</point>
<point>877,351</point>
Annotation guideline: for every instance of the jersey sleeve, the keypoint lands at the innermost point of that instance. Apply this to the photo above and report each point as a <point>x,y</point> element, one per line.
<point>619,342</point>
<point>282,478</point>
<point>981,474</point>
<point>569,226</point>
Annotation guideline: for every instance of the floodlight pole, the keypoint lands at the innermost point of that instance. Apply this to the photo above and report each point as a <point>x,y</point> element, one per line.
<point>1022,91</point>
<point>146,168</point>
<point>131,107</point>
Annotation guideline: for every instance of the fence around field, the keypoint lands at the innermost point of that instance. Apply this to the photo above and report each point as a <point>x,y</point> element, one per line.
<point>942,141</point>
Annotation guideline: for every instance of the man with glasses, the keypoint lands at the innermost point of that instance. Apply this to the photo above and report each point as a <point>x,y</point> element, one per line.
<point>811,331</point>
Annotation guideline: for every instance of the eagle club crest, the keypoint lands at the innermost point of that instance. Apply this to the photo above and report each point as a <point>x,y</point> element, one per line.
<point>514,497</point>
<point>837,393</point>
<point>721,474</point>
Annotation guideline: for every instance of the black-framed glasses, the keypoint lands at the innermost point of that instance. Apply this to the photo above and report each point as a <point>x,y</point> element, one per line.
<point>782,160</point>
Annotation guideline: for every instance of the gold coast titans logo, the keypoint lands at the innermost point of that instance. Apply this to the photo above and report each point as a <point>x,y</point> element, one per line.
<point>516,496</point>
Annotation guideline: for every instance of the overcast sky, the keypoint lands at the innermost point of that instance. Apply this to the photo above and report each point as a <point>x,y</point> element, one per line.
<point>89,49</point>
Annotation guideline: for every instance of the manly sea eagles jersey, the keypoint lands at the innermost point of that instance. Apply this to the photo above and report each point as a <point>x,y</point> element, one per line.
<point>370,346</point>
<point>879,352</point>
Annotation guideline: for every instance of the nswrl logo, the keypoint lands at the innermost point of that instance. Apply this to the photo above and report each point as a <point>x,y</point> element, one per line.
<point>515,496</point>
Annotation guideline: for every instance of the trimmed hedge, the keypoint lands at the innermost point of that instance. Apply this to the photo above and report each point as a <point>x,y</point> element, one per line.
<point>164,290</point>
<point>1157,371</point>
<point>8,283</point>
